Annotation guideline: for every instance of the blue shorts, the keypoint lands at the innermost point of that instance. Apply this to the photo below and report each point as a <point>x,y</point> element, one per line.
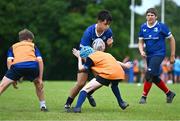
<point>154,65</point>
<point>176,73</point>
<point>15,73</point>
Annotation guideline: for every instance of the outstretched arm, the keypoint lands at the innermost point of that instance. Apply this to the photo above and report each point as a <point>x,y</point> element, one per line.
<point>125,65</point>
<point>173,49</point>
<point>77,54</point>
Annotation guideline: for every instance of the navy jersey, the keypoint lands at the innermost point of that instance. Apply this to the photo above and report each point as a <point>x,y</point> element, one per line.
<point>154,38</point>
<point>90,35</point>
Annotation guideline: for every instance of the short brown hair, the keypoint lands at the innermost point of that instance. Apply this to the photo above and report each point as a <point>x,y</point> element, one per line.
<point>151,10</point>
<point>104,15</point>
<point>25,34</point>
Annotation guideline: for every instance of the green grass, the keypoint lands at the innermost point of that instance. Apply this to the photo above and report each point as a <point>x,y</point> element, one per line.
<point>22,104</point>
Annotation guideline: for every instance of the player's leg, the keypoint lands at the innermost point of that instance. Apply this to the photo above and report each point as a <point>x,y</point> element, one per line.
<point>146,88</point>
<point>115,90</point>
<point>40,94</point>
<point>32,74</point>
<point>11,77</point>
<point>81,81</point>
<point>147,83</point>
<point>92,85</point>
<point>155,70</point>
<point>170,95</point>
<point>91,100</point>
<point>5,84</point>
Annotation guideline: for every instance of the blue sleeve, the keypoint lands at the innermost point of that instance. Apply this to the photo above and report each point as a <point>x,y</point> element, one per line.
<point>37,52</point>
<point>141,33</point>
<point>10,53</point>
<point>88,64</point>
<point>86,39</point>
<point>165,30</point>
<point>109,34</point>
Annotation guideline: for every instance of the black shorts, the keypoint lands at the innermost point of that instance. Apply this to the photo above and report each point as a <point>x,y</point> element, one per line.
<point>106,82</point>
<point>15,73</point>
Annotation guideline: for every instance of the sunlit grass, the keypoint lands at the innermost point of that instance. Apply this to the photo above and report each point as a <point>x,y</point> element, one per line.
<point>22,104</point>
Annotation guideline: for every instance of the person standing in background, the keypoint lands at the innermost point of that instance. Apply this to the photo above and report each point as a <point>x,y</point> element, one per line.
<point>177,70</point>
<point>153,34</point>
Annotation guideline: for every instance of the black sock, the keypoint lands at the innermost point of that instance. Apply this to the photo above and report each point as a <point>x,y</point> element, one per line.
<point>117,94</point>
<point>144,97</point>
<point>90,93</point>
<point>69,100</point>
<point>167,94</point>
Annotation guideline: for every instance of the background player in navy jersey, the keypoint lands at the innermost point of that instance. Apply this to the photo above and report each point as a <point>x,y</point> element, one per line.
<point>99,30</point>
<point>24,60</point>
<point>153,35</point>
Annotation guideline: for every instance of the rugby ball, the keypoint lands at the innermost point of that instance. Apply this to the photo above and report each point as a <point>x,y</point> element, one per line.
<point>98,44</point>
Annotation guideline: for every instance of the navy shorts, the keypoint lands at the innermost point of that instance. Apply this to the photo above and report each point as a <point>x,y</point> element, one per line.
<point>15,73</point>
<point>106,82</point>
<point>154,64</point>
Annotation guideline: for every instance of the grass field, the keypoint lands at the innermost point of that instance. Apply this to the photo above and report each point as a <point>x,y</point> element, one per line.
<point>22,104</point>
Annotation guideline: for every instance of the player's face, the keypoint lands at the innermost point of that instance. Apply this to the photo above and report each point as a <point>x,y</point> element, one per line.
<point>151,18</point>
<point>104,25</point>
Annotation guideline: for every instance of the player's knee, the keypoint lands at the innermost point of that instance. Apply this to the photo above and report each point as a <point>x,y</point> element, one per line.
<point>85,89</point>
<point>114,84</point>
<point>156,79</point>
<point>149,77</point>
<point>80,84</point>
<point>38,85</point>
<point>88,88</point>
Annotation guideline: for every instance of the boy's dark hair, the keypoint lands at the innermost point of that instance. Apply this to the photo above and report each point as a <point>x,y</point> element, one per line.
<point>151,10</point>
<point>25,34</point>
<point>104,15</point>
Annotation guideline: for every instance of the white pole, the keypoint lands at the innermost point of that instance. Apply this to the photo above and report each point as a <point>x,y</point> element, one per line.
<point>132,25</point>
<point>162,10</point>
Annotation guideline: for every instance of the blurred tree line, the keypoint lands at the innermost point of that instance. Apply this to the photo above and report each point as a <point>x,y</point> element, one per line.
<point>59,24</point>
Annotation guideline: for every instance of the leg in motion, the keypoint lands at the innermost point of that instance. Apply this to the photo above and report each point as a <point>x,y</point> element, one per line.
<point>40,94</point>
<point>117,94</point>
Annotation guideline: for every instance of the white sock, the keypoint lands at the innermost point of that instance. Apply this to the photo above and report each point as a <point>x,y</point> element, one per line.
<point>42,104</point>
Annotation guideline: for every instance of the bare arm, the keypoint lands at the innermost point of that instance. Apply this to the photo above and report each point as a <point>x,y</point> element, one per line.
<point>141,47</point>
<point>125,65</point>
<point>80,65</point>
<point>9,63</point>
<point>173,49</point>
<point>41,69</point>
<point>109,42</point>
